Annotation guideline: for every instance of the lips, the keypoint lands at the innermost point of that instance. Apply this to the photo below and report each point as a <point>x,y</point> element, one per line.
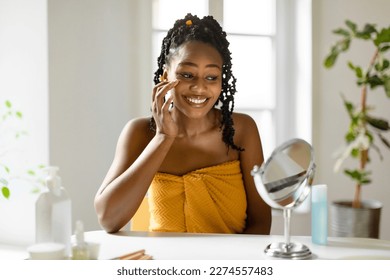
<point>196,100</point>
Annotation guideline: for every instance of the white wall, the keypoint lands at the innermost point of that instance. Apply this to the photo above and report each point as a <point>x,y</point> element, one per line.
<point>23,74</point>
<point>23,81</point>
<point>330,120</point>
<point>95,64</point>
<point>100,76</point>
<point>98,60</point>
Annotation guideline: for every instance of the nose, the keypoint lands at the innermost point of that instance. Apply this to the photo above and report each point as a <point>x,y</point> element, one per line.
<point>198,85</point>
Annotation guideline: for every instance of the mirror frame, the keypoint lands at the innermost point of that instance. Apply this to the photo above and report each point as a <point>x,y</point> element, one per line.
<point>306,178</point>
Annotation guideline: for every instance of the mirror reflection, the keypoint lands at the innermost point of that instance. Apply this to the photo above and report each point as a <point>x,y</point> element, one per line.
<point>284,174</point>
<point>284,182</point>
<point>285,171</point>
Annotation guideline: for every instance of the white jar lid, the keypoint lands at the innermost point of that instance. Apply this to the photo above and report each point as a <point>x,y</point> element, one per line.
<point>47,251</point>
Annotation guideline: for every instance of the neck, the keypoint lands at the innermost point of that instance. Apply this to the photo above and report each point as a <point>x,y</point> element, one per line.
<point>190,127</point>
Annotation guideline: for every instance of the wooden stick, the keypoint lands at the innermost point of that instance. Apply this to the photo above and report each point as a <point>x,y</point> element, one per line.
<point>136,256</point>
<point>146,257</point>
<point>129,255</point>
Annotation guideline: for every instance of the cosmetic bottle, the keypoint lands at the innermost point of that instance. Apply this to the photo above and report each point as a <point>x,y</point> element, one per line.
<point>319,214</point>
<point>80,249</point>
<point>54,213</point>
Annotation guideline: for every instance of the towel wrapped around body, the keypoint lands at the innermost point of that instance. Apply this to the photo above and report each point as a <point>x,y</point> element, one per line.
<point>207,200</point>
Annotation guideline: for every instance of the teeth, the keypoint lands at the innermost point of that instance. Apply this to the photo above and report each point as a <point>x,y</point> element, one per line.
<point>196,101</point>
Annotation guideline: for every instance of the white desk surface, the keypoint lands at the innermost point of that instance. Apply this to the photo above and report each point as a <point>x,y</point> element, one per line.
<point>182,246</point>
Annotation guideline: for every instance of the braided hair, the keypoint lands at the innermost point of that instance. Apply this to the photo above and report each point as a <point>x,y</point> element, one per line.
<point>206,30</point>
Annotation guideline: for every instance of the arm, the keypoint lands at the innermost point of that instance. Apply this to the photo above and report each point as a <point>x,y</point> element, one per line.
<point>258,212</point>
<point>138,157</point>
<point>129,176</point>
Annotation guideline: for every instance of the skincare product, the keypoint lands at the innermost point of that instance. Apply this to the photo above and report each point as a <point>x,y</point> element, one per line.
<point>319,214</point>
<point>80,250</point>
<point>47,251</point>
<point>54,213</point>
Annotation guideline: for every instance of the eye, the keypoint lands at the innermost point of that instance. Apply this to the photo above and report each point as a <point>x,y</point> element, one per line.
<point>186,75</point>
<point>211,78</point>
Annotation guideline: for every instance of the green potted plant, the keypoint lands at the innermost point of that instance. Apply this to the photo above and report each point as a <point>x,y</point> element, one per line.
<point>7,113</point>
<point>20,183</point>
<point>365,129</point>
<point>9,133</point>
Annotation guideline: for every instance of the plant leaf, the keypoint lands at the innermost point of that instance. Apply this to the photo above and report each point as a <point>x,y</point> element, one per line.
<point>384,140</point>
<point>385,64</point>
<point>384,49</point>
<point>369,136</point>
<point>5,191</point>
<point>375,81</point>
<point>344,45</point>
<point>8,104</point>
<point>351,25</point>
<point>349,107</point>
<point>358,70</point>
<point>355,153</point>
<point>360,176</point>
<point>387,87</point>
<point>350,136</point>
<point>381,124</point>
<point>365,34</point>
<point>341,31</point>
<point>369,28</point>
<point>35,190</point>
<point>382,65</point>
<point>350,65</point>
<point>383,36</point>
<point>330,60</point>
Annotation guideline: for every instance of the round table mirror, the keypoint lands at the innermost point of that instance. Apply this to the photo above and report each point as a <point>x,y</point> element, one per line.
<point>284,182</point>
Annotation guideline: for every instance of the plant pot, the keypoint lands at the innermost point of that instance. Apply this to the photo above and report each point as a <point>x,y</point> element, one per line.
<point>346,221</point>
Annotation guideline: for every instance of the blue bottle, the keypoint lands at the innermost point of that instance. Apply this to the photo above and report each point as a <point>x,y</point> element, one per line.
<point>319,214</point>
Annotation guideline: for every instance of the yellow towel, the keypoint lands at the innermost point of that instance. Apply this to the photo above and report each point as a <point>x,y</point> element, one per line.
<point>208,200</point>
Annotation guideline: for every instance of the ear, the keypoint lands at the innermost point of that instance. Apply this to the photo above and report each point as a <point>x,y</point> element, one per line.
<point>165,75</point>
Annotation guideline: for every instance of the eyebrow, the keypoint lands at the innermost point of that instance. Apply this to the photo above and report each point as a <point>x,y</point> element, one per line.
<point>188,63</point>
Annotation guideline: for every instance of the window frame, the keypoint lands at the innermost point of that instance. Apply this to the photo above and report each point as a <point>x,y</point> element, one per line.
<point>292,114</point>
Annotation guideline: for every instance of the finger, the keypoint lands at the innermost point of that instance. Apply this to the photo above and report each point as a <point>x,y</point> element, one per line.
<point>159,88</point>
<point>159,92</point>
<point>165,107</point>
<point>163,91</point>
<point>156,88</point>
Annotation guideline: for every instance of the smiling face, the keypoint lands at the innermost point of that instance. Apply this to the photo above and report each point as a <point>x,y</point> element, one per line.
<point>198,67</point>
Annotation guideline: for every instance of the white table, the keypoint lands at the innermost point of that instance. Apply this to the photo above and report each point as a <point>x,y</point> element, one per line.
<point>12,252</point>
<point>183,246</point>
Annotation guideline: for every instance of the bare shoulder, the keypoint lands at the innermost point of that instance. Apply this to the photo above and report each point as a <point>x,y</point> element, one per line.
<point>142,124</point>
<point>244,123</point>
<point>246,131</point>
<point>136,132</point>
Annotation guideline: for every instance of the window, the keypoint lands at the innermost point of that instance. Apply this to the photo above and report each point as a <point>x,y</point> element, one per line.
<point>251,33</point>
<point>264,51</point>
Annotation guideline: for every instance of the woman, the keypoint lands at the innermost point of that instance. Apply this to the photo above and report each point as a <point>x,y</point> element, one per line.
<point>194,156</point>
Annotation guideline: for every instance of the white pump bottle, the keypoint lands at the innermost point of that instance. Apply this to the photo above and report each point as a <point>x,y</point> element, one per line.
<point>54,213</point>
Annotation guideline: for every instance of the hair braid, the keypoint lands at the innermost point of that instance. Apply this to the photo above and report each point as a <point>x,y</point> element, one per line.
<point>209,31</point>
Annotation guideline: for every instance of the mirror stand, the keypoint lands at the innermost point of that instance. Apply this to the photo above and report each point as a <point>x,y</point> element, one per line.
<point>287,250</point>
<point>284,182</point>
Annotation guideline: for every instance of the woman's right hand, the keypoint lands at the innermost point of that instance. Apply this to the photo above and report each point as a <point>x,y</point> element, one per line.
<point>165,124</point>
